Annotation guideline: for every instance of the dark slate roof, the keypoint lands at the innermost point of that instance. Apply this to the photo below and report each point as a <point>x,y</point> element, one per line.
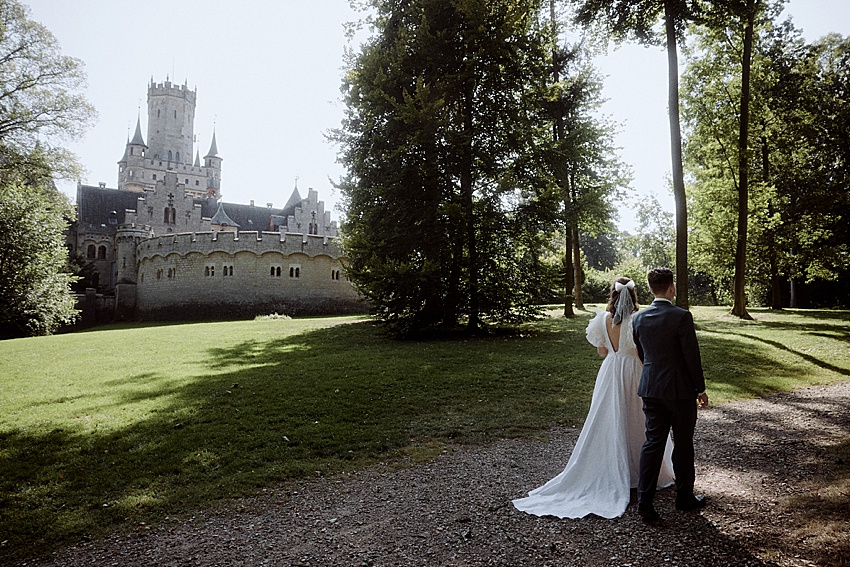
<point>246,217</point>
<point>294,199</point>
<point>213,148</point>
<point>95,205</point>
<point>137,137</point>
<point>221,218</point>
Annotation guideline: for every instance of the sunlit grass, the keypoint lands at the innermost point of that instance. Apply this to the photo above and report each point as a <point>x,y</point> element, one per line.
<point>130,424</point>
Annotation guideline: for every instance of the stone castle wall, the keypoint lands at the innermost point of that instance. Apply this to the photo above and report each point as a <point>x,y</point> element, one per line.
<point>226,274</point>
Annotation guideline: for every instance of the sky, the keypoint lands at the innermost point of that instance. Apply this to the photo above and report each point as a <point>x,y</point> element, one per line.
<point>268,76</point>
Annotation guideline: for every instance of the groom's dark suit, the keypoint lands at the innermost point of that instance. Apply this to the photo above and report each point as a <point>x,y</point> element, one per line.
<point>671,380</point>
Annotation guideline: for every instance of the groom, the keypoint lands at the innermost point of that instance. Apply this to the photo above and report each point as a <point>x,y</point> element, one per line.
<point>671,384</point>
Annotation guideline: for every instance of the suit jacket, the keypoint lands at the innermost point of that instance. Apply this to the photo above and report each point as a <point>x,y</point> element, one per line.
<point>667,345</point>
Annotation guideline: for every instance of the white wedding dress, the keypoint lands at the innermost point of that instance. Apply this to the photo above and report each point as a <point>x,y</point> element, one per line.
<point>605,461</point>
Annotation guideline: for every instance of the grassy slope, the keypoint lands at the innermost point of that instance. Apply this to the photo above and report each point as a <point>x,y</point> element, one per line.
<point>129,424</point>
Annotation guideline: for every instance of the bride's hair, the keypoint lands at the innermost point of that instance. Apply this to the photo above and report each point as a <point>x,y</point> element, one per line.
<point>614,296</point>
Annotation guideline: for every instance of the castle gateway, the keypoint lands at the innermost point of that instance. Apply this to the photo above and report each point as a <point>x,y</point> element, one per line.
<point>162,245</point>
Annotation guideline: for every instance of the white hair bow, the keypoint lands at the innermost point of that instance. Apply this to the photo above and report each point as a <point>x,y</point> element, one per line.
<point>619,286</point>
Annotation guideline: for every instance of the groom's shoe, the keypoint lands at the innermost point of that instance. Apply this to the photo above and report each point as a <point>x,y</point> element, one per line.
<point>691,503</point>
<point>647,513</point>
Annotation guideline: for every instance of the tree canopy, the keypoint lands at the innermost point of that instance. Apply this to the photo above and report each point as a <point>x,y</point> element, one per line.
<point>40,98</point>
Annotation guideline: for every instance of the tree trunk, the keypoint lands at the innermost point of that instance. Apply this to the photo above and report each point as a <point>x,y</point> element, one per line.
<point>579,300</point>
<point>775,284</point>
<point>568,274</point>
<point>793,303</point>
<point>466,190</point>
<point>739,307</point>
<point>676,155</point>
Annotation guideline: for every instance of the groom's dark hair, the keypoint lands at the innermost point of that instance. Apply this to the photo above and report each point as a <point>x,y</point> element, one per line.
<point>659,279</point>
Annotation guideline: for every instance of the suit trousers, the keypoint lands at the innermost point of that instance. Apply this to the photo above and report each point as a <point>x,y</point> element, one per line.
<point>662,416</point>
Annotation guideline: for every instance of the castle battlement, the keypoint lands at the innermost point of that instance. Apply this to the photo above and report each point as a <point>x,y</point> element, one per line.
<point>167,88</point>
<point>232,243</point>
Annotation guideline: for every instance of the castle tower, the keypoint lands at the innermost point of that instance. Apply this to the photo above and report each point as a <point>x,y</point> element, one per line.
<point>171,119</point>
<point>212,162</point>
<point>127,240</point>
<point>131,167</point>
<point>171,122</point>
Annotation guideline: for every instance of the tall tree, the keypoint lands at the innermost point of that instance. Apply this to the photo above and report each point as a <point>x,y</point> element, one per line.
<point>35,296</point>
<point>40,99</point>
<point>439,116</point>
<point>635,19</point>
<point>580,158</point>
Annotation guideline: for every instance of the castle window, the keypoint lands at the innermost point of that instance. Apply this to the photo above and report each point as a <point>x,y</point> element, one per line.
<point>90,251</point>
<point>154,176</point>
<point>197,183</point>
<point>159,274</point>
<point>274,271</point>
<point>169,215</point>
<point>228,271</point>
<point>209,271</point>
<point>132,151</point>
<point>177,157</point>
<point>170,155</point>
<point>187,181</point>
<point>295,271</point>
<point>175,114</point>
<point>157,112</point>
<point>335,275</point>
<point>101,253</point>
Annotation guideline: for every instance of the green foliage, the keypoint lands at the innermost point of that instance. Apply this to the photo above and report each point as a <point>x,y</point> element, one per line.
<point>107,429</point>
<point>798,165</point>
<point>39,93</point>
<point>440,113</point>
<point>35,297</point>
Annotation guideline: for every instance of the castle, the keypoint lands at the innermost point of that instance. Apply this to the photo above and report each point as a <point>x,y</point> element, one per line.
<point>162,245</point>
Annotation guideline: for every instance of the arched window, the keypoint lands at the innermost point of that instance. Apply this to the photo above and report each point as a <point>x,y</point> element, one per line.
<point>277,271</point>
<point>175,114</point>
<point>90,251</point>
<point>101,253</point>
<point>271,271</point>
<point>297,272</point>
<point>169,155</point>
<point>177,157</point>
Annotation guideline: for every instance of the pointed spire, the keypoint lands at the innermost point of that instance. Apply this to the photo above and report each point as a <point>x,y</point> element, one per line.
<point>126,150</point>
<point>294,199</point>
<point>137,137</point>
<point>220,218</point>
<point>213,148</point>
<point>197,158</point>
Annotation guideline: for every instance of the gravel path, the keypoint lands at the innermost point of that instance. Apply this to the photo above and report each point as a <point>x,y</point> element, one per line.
<point>759,463</point>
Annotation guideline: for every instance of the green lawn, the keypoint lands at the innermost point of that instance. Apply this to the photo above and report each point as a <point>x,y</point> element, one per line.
<point>124,425</point>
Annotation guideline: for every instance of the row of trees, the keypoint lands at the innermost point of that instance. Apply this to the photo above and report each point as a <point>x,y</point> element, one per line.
<point>472,138</point>
<point>40,107</point>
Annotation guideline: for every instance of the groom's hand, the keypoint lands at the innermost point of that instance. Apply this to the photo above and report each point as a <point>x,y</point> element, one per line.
<point>703,400</point>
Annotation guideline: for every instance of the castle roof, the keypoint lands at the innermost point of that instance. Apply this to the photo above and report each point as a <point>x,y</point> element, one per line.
<point>95,206</point>
<point>197,159</point>
<point>126,149</point>
<point>294,199</point>
<point>220,217</point>
<point>213,148</point>
<point>137,137</point>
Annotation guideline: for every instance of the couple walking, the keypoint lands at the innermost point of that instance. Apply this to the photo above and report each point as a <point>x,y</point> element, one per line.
<point>651,355</point>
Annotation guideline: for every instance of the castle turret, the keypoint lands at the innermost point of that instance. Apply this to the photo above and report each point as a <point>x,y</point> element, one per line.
<point>131,167</point>
<point>127,239</point>
<point>212,161</point>
<point>171,122</point>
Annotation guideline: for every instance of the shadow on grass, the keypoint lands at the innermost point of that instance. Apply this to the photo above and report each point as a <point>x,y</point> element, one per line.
<point>316,403</point>
<point>266,411</point>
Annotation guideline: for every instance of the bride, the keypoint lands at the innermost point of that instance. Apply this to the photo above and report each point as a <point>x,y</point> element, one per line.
<point>604,464</point>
